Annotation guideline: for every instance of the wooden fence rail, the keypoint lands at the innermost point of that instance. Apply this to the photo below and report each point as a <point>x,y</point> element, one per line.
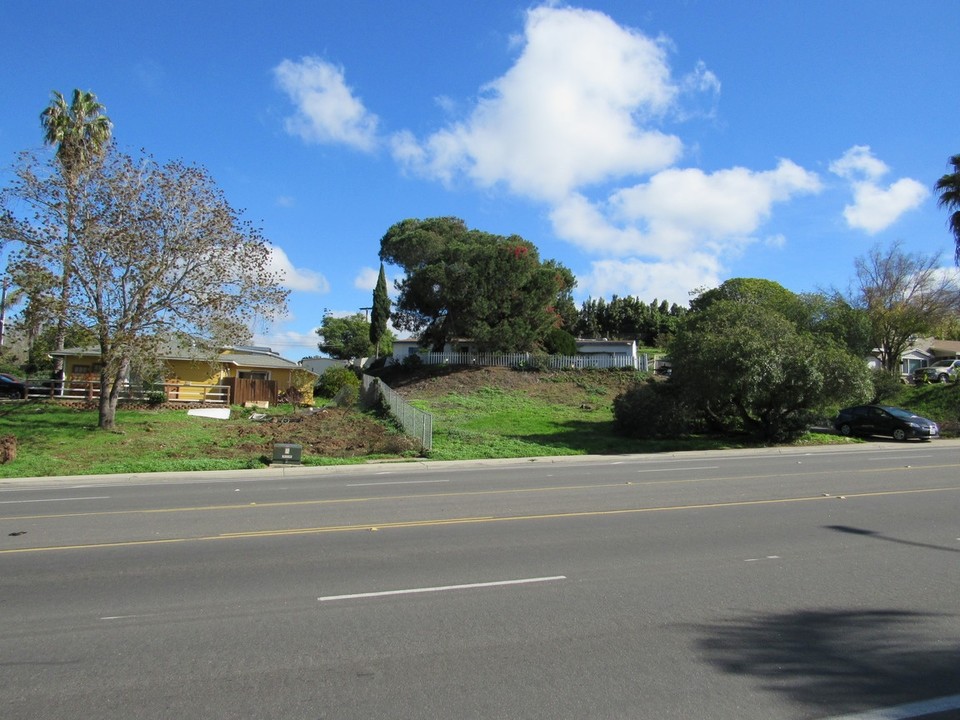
<point>89,391</point>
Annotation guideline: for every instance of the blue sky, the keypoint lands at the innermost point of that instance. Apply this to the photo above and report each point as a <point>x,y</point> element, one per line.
<point>651,147</point>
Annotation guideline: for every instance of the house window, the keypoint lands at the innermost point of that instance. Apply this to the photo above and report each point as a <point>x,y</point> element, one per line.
<point>253,375</point>
<point>908,365</point>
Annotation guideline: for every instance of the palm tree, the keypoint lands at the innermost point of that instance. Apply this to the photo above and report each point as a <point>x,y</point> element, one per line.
<point>80,132</point>
<point>949,188</point>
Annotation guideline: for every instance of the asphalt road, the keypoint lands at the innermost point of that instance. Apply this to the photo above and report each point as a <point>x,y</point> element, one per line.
<point>771,584</point>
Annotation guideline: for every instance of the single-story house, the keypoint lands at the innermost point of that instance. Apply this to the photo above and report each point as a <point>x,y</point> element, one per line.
<point>926,351</point>
<point>320,365</point>
<point>607,347</point>
<point>232,374</point>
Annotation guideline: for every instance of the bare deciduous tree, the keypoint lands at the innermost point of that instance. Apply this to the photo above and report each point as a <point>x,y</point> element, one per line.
<point>155,252</point>
<point>904,295</point>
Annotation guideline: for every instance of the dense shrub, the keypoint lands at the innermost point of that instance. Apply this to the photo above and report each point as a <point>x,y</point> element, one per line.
<point>155,398</point>
<point>886,385</point>
<point>411,362</point>
<point>653,409</point>
<point>378,363</point>
<point>560,342</point>
<point>334,380</point>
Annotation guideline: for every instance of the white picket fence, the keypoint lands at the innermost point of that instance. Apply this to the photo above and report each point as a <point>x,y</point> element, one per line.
<point>644,362</point>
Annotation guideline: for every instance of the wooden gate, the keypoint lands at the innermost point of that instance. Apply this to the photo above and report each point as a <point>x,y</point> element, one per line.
<point>243,390</point>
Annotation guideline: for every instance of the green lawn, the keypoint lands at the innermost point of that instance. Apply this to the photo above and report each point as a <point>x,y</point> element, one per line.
<point>569,416</point>
<point>57,440</point>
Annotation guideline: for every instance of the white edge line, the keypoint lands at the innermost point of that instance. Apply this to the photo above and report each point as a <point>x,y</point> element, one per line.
<point>467,586</point>
<point>903,712</point>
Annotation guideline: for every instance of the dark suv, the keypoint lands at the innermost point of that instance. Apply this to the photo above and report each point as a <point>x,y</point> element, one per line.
<point>894,422</point>
<point>11,387</point>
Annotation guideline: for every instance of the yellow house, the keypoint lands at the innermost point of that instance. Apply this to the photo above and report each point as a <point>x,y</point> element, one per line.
<point>233,375</point>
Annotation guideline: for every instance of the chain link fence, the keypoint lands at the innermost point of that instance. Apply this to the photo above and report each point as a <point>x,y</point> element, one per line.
<point>415,422</point>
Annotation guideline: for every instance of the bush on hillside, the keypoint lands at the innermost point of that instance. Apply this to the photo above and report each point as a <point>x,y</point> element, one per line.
<point>333,380</point>
<point>653,409</point>
<point>560,342</point>
<point>886,385</point>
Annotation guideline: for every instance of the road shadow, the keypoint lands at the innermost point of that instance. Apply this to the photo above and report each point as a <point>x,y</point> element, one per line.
<point>880,536</point>
<point>835,662</point>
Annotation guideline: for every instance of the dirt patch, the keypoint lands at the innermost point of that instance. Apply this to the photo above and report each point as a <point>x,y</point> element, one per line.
<point>331,432</point>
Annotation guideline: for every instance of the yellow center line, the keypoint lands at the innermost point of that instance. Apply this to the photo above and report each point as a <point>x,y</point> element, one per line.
<point>355,527</point>
<point>234,507</point>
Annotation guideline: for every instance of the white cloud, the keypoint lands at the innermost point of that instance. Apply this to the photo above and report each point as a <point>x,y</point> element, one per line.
<point>875,208</point>
<point>327,111</point>
<point>680,211</point>
<point>568,113</point>
<point>673,280</point>
<point>858,163</point>
<point>366,279</point>
<point>290,344</point>
<point>580,111</point>
<point>295,278</point>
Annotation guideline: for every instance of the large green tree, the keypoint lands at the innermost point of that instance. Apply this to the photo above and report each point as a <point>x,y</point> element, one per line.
<point>832,315</point>
<point>155,251</point>
<point>80,132</point>
<point>749,367</point>
<point>948,186</point>
<point>755,292</point>
<point>628,318</point>
<point>347,338</point>
<point>462,283</point>
<point>380,311</point>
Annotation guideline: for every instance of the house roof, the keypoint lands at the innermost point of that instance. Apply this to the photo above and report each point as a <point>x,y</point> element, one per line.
<point>248,359</point>
<point>933,346</point>
<point>239,355</point>
<point>945,347</point>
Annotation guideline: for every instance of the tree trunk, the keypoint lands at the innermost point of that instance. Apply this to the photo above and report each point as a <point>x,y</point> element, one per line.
<point>110,395</point>
<point>108,404</point>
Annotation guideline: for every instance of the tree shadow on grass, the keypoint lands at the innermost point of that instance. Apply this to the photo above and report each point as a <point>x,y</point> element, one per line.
<point>600,438</point>
<point>839,661</point>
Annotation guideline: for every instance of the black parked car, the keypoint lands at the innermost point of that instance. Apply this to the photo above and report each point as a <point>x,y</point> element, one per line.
<point>11,387</point>
<point>894,422</point>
